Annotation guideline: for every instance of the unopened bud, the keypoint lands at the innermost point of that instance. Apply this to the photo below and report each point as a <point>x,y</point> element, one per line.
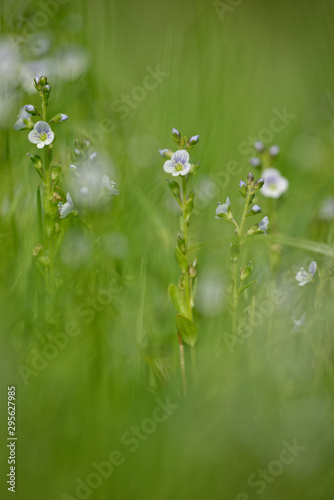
<point>31,109</point>
<point>258,184</point>
<point>250,178</point>
<point>176,135</point>
<point>166,153</point>
<point>259,146</point>
<point>192,141</point>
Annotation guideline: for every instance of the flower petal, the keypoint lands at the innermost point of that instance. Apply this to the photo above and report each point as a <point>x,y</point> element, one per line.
<point>185,170</point>
<point>169,166</point>
<point>181,156</point>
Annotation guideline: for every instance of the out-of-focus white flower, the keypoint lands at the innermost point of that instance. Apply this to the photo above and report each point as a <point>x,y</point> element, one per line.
<point>223,210</point>
<point>274,183</point>
<point>84,191</point>
<point>41,135</point>
<point>109,185</point>
<point>305,277</point>
<point>66,208</point>
<point>259,146</point>
<point>298,323</point>
<point>255,162</point>
<point>178,164</point>
<point>274,150</point>
<point>20,124</point>
<point>326,211</point>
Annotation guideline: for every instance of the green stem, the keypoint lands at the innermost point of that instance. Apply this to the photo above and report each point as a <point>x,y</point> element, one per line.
<point>235,263</point>
<point>185,236</point>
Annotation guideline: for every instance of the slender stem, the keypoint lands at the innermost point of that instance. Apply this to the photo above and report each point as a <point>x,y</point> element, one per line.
<point>185,235</point>
<point>235,297</point>
<point>235,263</point>
<point>182,365</point>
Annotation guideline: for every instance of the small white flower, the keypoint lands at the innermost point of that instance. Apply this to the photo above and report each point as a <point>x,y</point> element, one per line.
<point>41,135</point>
<point>23,115</point>
<point>305,277</point>
<point>66,208</point>
<point>274,184</point>
<point>109,185</point>
<point>178,164</point>
<point>223,209</point>
<point>263,225</point>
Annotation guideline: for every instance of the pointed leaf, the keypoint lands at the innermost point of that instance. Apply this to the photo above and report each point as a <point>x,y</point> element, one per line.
<point>187,329</point>
<point>181,260</point>
<point>176,298</point>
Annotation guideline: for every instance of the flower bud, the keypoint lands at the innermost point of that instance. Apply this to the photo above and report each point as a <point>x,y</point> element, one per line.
<point>243,188</point>
<point>250,178</point>
<point>166,153</point>
<point>60,117</point>
<point>255,162</point>
<point>46,89</point>
<point>192,141</point>
<point>274,151</point>
<point>255,209</point>
<point>36,81</point>
<point>31,109</point>
<point>193,269</point>
<point>258,184</point>
<point>259,146</point>
<point>176,135</point>
<point>42,81</point>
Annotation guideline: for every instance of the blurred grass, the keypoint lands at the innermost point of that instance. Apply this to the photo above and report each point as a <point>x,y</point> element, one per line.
<point>225,78</point>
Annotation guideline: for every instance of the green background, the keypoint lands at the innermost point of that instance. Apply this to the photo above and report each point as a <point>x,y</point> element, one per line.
<point>226,71</point>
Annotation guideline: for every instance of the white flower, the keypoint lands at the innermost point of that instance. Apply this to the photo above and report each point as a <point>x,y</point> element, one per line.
<point>263,225</point>
<point>23,115</point>
<point>274,184</point>
<point>223,209</point>
<point>178,164</point>
<point>66,208</point>
<point>109,185</point>
<point>305,277</point>
<point>326,211</point>
<point>41,135</point>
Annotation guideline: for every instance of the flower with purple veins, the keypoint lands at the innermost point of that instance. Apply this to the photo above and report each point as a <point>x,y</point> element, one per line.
<point>178,164</point>
<point>41,135</point>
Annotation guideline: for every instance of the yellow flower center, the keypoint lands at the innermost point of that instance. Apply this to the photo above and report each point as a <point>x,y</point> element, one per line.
<point>43,136</point>
<point>178,166</point>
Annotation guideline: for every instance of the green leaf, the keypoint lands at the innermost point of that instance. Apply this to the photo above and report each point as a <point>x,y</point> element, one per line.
<point>181,260</point>
<point>176,297</point>
<point>175,190</point>
<point>187,329</point>
<point>246,286</point>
